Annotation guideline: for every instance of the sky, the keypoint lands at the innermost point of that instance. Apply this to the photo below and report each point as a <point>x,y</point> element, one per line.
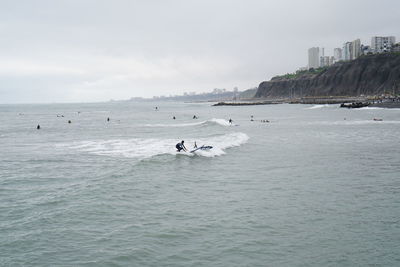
<point>97,50</point>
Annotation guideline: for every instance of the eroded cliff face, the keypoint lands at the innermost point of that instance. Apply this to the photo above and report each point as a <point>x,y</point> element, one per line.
<point>367,75</point>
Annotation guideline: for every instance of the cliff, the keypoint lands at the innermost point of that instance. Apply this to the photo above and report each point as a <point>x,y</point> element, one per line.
<point>367,75</point>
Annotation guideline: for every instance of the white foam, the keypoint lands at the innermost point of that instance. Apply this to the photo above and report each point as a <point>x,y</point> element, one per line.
<point>221,122</point>
<point>141,148</point>
<point>176,124</point>
<point>353,122</point>
<point>321,106</point>
<point>376,108</point>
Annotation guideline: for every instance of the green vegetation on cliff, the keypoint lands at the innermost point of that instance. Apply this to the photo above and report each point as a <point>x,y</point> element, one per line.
<point>366,75</point>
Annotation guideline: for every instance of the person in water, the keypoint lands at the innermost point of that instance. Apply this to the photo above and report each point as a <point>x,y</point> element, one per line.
<point>38,127</point>
<point>181,146</point>
<point>173,117</point>
<point>230,121</point>
<point>195,145</point>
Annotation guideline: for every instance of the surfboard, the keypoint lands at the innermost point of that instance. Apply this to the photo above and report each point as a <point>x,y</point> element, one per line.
<point>201,148</point>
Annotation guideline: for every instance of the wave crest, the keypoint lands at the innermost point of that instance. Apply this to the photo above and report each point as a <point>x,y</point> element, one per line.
<point>141,148</point>
<point>214,121</point>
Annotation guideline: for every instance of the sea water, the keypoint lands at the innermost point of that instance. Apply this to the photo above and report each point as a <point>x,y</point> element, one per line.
<point>314,186</point>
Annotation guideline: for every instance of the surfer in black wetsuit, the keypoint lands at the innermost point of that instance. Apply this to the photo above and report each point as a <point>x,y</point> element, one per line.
<point>180,146</point>
<point>230,121</point>
<point>195,145</point>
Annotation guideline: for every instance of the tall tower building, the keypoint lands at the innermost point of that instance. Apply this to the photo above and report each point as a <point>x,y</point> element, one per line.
<point>356,49</point>
<point>381,44</point>
<point>313,57</point>
<point>347,51</point>
<point>337,54</point>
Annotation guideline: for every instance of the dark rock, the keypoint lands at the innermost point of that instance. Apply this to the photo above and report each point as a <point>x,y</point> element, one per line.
<point>355,105</point>
<point>367,75</point>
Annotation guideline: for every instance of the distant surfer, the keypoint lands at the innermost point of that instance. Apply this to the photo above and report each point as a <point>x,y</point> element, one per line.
<point>180,146</point>
<point>195,145</point>
<point>194,117</point>
<point>230,121</point>
<point>69,121</point>
<point>251,118</point>
<point>173,117</point>
<point>108,119</point>
<point>156,108</point>
<point>38,127</point>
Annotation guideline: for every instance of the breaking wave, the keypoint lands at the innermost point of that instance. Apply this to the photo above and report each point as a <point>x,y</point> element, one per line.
<point>214,121</point>
<point>321,106</point>
<point>377,108</point>
<point>141,148</point>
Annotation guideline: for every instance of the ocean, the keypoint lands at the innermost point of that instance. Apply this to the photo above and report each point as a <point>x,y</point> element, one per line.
<point>316,185</point>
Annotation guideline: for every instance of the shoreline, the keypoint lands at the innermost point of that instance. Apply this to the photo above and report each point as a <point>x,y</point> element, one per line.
<point>368,101</point>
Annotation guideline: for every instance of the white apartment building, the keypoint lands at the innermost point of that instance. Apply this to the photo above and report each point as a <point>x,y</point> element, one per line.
<point>313,57</point>
<point>337,54</point>
<point>356,49</point>
<point>351,50</point>
<point>347,51</point>
<point>331,60</point>
<point>381,44</point>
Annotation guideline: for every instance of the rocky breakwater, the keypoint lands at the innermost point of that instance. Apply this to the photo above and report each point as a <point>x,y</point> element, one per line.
<point>368,75</point>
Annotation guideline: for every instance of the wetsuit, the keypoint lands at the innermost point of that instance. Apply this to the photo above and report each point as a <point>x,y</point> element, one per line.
<point>179,147</point>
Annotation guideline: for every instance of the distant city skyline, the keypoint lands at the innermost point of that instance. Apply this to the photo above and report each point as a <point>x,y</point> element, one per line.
<point>88,51</point>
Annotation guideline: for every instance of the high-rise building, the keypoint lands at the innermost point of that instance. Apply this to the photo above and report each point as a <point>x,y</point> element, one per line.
<point>314,57</point>
<point>331,60</point>
<point>356,49</point>
<point>347,51</point>
<point>325,61</point>
<point>351,50</point>
<point>337,54</point>
<point>381,44</point>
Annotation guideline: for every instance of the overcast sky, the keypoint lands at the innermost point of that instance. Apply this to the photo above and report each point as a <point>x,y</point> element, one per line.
<point>92,50</point>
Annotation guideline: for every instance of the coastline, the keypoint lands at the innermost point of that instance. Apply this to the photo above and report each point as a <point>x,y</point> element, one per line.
<point>369,101</point>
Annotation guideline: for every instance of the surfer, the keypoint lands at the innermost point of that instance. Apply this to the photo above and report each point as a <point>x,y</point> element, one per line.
<point>194,117</point>
<point>108,119</point>
<point>180,146</point>
<point>174,117</point>
<point>230,121</point>
<point>195,145</point>
<point>38,127</point>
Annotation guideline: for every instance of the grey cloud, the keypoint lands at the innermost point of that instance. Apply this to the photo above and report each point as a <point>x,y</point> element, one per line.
<point>98,50</point>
